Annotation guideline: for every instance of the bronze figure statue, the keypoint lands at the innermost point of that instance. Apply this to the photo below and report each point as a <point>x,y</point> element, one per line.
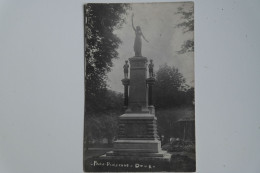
<point>138,39</point>
<point>151,65</point>
<point>126,66</point>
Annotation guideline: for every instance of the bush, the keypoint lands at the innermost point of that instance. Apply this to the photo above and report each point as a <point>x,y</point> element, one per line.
<point>180,146</point>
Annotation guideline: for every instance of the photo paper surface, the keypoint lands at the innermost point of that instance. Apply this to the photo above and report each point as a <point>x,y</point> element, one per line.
<point>139,87</point>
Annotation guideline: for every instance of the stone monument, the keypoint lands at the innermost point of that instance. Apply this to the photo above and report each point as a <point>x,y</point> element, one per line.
<point>137,136</point>
<point>137,139</point>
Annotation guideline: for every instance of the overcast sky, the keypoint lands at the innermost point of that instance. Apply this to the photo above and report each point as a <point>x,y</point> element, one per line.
<point>158,23</point>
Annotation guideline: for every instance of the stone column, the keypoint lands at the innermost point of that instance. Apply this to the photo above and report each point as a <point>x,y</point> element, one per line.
<point>150,81</point>
<point>126,83</point>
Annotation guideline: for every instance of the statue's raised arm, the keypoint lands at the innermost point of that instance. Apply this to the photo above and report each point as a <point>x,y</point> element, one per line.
<point>145,38</point>
<point>133,22</point>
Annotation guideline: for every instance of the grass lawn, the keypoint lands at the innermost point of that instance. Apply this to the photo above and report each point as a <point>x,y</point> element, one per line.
<point>96,152</point>
<point>180,162</point>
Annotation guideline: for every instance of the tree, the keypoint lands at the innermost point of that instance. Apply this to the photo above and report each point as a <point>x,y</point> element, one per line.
<point>102,123</point>
<point>187,15</point>
<point>100,48</point>
<point>173,99</point>
<point>101,105</point>
<point>169,88</point>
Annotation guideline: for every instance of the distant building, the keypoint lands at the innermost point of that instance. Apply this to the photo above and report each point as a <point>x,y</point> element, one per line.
<point>186,128</point>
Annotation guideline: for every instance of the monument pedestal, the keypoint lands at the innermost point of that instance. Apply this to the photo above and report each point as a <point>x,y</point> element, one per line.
<point>137,136</point>
<point>141,146</point>
<point>137,147</point>
<point>137,133</point>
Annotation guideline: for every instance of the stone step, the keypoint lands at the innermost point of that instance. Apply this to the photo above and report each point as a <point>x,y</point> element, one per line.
<point>137,136</point>
<point>166,157</point>
<point>131,153</point>
<point>133,150</point>
<point>125,138</point>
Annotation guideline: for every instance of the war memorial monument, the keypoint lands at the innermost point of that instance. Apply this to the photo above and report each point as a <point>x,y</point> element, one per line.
<point>138,147</point>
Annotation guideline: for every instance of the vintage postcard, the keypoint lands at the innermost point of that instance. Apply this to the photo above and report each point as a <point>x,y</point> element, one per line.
<point>139,87</point>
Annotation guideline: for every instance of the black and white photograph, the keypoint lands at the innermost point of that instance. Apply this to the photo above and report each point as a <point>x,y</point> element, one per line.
<point>139,87</point>
<point>129,86</point>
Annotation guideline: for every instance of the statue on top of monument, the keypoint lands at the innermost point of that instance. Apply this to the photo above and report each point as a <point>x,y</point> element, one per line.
<point>126,66</point>
<point>151,65</point>
<point>138,39</point>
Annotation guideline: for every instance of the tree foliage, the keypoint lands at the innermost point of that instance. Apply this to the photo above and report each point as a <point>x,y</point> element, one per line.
<point>102,106</point>
<point>173,99</point>
<point>100,48</point>
<point>102,122</point>
<point>187,15</point>
<point>170,89</point>
<point>104,126</point>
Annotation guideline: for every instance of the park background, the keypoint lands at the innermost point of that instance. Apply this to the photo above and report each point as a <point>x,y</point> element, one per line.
<point>109,39</point>
<point>42,86</point>
<point>107,49</point>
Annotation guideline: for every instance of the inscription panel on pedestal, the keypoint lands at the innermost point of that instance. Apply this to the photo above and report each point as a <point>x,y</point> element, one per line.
<point>135,130</point>
<point>137,92</point>
<point>138,64</point>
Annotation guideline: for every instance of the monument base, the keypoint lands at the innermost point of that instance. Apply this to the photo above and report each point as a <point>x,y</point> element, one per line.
<point>137,148</point>
<point>163,155</point>
<point>138,126</point>
<point>142,146</point>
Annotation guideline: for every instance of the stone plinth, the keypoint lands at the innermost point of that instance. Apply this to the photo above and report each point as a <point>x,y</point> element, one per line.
<point>137,146</point>
<point>138,126</point>
<point>137,133</point>
<point>161,154</point>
